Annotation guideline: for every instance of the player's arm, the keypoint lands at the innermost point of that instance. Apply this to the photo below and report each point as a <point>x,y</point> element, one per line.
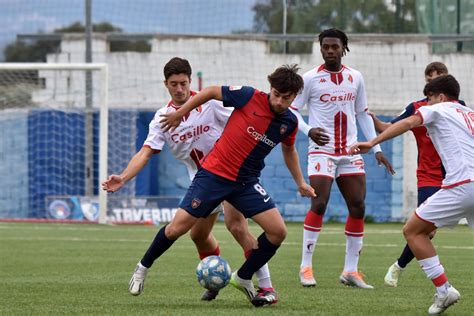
<point>394,130</point>
<point>317,134</point>
<point>367,126</point>
<point>173,119</point>
<point>115,182</point>
<point>379,125</point>
<point>290,155</point>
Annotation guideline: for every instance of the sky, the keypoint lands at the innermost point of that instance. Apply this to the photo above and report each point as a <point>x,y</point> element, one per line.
<point>133,16</point>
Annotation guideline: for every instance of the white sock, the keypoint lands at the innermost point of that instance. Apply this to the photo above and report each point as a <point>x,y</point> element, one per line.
<point>434,270</point>
<point>310,239</point>
<point>353,248</point>
<point>263,277</point>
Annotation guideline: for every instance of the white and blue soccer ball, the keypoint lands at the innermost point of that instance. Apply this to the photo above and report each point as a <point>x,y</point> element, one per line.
<point>213,273</point>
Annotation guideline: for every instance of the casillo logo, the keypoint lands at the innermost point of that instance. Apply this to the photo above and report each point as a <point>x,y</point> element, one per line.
<point>260,137</point>
<point>196,131</point>
<point>333,98</point>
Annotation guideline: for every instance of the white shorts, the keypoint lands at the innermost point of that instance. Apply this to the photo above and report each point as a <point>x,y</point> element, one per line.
<point>321,165</point>
<point>448,206</point>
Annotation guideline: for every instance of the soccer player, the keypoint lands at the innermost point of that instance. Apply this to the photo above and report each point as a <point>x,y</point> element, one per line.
<point>230,172</point>
<point>430,172</point>
<point>451,128</point>
<point>189,143</point>
<point>335,97</point>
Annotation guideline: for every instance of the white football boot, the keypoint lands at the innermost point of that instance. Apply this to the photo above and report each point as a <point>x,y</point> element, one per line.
<point>393,274</point>
<point>137,282</point>
<point>440,304</point>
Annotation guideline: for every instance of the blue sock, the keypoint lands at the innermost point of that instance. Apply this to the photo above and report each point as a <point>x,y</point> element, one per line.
<point>160,244</point>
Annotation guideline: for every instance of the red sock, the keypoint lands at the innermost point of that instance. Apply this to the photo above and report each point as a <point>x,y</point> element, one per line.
<point>355,227</point>
<point>216,252</point>
<point>313,222</point>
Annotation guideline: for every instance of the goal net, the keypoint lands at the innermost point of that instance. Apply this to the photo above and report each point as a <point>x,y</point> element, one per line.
<point>56,131</point>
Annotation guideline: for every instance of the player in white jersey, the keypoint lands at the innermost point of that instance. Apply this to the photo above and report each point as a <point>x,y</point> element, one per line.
<point>189,143</point>
<point>451,129</point>
<point>335,97</point>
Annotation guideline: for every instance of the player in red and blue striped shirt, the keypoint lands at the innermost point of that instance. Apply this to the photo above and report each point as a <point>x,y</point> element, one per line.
<point>230,172</point>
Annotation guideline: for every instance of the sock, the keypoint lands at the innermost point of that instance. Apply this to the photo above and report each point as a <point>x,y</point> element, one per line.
<point>435,272</point>
<point>354,241</point>
<point>311,229</point>
<point>405,257</point>
<point>160,244</point>
<point>258,257</point>
<point>263,274</point>
<point>215,252</point>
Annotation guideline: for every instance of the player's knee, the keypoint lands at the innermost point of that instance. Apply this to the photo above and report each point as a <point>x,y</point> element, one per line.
<point>198,235</point>
<point>318,206</point>
<point>407,232</point>
<point>357,209</point>
<point>236,229</point>
<point>173,232</point>
<point>278,235</point>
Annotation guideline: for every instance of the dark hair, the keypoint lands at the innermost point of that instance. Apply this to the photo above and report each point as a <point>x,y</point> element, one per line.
<point>437,66</point>
<point>177,66</point>
<point>447,85</point>
<point>286,79</point>
<point>338,34</point>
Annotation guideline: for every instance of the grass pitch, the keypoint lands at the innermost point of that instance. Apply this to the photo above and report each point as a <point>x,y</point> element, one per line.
<point>84,269</point>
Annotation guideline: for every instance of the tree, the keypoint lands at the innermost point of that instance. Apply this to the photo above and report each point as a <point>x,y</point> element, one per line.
<point>354,16</point>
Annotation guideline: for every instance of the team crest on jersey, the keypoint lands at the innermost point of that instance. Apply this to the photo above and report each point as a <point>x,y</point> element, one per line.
<point>234,88</point>
<point>350,78</point>
<point>195,203</point>
<point>322,80</point>
<point>283,129</point>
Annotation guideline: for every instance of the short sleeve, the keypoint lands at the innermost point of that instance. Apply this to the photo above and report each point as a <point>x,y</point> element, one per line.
<point>236,96</point>
<point>409,111</point>
<point>427,114</point>
<point>291,138</point>
<point>156,138</point>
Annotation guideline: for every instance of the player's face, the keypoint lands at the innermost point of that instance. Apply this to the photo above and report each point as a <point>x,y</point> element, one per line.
<point>331,50</point>
<point>179,88</point>
<point>280,102</point>
<point>432,75</point>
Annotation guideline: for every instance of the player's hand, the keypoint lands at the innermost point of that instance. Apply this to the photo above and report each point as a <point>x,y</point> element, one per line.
<point>113,183</point>
<point>319,136</point>
<point>381,160</point>
<point>306,190</point>
<point>360,148</point>
<point>170,121</point>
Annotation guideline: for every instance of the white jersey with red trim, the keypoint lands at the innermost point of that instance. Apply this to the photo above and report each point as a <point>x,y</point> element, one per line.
<point>451,129</point>
<point>333,100</point>
<point>194,138</point>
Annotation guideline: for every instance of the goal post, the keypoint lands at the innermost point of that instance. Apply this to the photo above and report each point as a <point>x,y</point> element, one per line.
<point>37,92</point>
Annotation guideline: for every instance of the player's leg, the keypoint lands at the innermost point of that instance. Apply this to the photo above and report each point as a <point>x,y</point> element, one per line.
<point>206,244</point>
<point>395,270</point>
<point>352,187</point>
<point>321,170</point>
<point>237,224</point>
<point>164,239</point>
<point>445,208</point>
<point>268,242</point>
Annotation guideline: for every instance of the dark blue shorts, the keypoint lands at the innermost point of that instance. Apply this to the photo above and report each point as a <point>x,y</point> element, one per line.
<point>426,192</point>
<point>208,190</point>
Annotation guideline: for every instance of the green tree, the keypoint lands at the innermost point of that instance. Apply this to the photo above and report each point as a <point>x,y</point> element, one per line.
<point>353,16</point>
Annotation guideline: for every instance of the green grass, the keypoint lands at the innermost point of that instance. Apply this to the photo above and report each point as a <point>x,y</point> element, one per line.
<point>85,269</point>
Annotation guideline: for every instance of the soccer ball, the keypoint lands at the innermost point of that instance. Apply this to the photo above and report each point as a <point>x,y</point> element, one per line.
<point>213,273</point>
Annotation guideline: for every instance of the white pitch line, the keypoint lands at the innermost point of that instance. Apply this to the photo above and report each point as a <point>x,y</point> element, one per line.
<point>290,243</point>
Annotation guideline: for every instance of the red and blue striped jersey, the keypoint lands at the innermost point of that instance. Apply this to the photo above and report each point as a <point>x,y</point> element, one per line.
<point>252,131</point>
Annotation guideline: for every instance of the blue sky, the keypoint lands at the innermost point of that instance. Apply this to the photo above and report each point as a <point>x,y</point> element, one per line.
<point>133,16</point>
